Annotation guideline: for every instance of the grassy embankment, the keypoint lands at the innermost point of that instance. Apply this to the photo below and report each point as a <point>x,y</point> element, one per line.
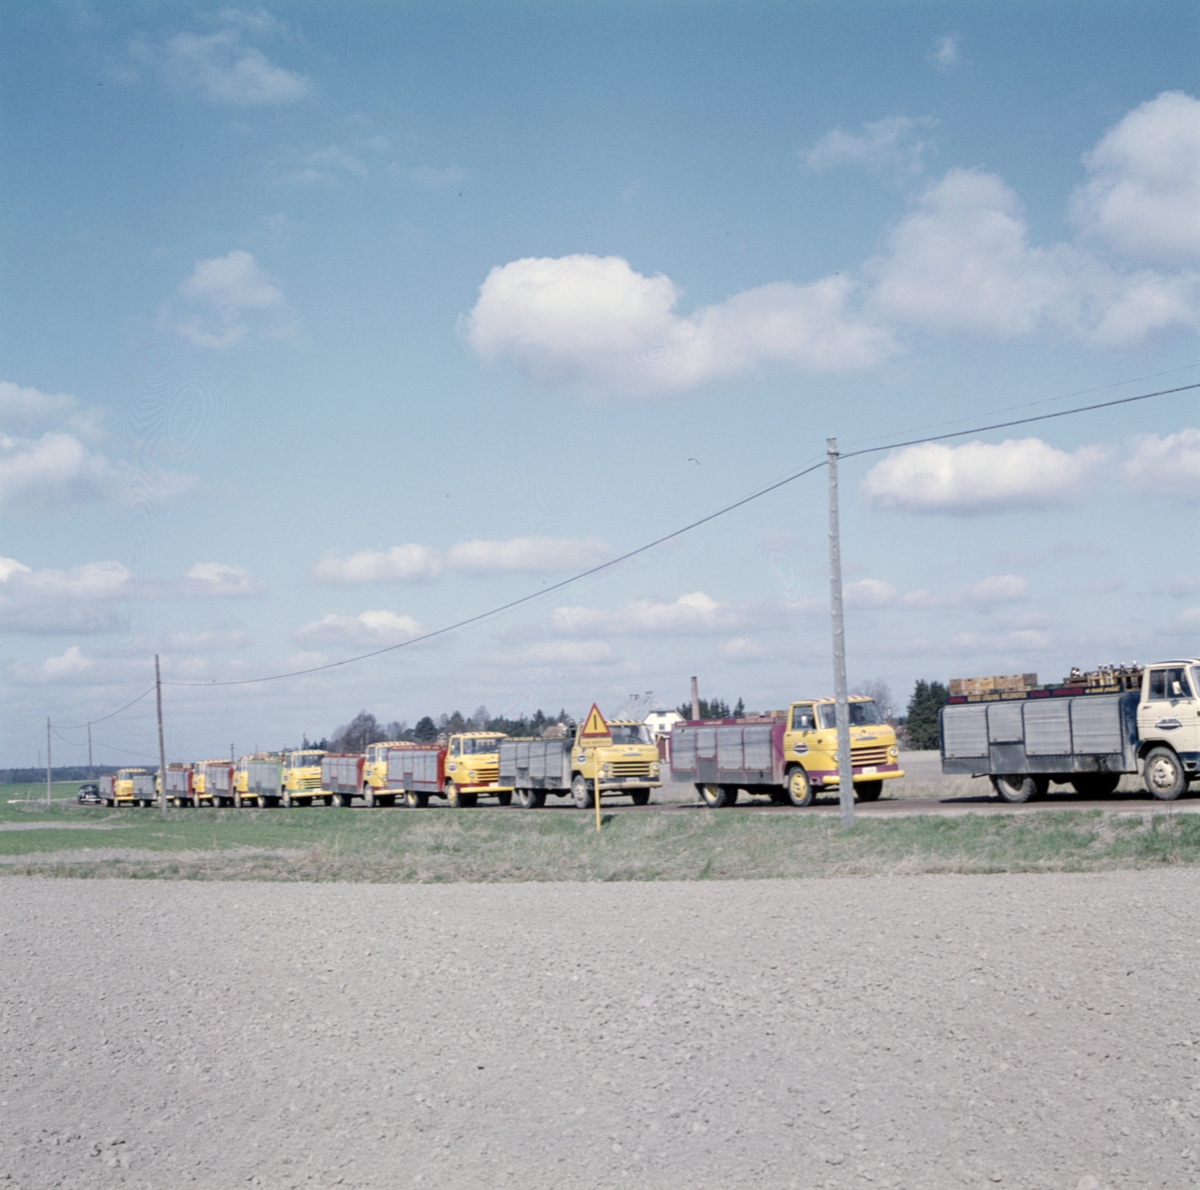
<point>440,845</point>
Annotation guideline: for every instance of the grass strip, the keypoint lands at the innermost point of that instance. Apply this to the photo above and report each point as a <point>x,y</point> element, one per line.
<point>399,846</point>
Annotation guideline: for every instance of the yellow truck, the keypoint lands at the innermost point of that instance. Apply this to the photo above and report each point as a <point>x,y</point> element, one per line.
<point>375,773</point>
<point>256,779</point>
<point>791,756</point>
<point>130,787</point>
<point>621,754</point>
<point>301,778</point>
<point>462,770</point>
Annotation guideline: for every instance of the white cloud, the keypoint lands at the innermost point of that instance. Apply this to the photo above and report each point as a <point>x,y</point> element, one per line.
<point>84,599</point>
<point>1144,193</point>
<point>402,563</point>
<point>220,67</point>
<point>691,614</point>
<point>54,472</point>
<point>28,408</point>
<point>979,478</point>
<point>996,588</point>
<point>1168,466</point>
<point>987,592</point>
<point>893,142</point>
<point>369,628</point>
<point>945,52</point>
<point>68,666</point>
<point>593,322</point>
<point>217,578</point>
<point>961,263</point>
<point>869,592</point>
<point>531,555</point>
<point>235,300</point>
<point>1021,640</point>
<point>571,652</point>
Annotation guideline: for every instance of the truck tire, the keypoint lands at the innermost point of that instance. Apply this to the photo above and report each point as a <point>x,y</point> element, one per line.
<point>286,800</point>
<point>452,796</point>
<point>369,798</point>
<point>799,788</point>
<point>641,797</point>
<point>1096,784</point>
<point>1018,787</point>
<point>581,792</point>
<point>342,799</point>
<point>868,791</point>
<point>1164,774</point>
<point>531,799</point>
<point>504,797</point>
<point>715,796</point>
<point>414,800</point>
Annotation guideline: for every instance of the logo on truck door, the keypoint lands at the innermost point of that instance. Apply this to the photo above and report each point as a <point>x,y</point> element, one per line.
<point>1167,725</point>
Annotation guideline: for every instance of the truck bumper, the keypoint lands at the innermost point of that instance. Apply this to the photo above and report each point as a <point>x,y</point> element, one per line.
<point>882,772</point>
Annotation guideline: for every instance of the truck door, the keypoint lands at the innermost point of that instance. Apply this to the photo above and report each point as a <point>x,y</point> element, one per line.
<point>802,726</point>
<point>1168,710</point>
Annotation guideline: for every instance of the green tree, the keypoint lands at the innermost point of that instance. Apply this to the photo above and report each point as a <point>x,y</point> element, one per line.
<point>425,731</point>
<point>718,708</point>
<point>921,722</point>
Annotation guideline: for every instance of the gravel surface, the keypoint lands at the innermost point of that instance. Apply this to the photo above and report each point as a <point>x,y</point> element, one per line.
<point>921,1032</point>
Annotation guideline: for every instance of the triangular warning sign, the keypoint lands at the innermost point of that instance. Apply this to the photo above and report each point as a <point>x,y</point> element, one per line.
<point>594,725</point>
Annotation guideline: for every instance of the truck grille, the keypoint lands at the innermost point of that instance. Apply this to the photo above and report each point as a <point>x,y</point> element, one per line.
<point>309,782</point>
<point>875,756</point>
<point>486,776</point>
<point>631,768</point>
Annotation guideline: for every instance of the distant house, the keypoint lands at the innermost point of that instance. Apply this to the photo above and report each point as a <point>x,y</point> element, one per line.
<point>660,722</point>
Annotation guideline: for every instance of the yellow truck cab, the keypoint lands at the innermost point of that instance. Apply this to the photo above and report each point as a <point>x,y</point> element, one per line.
<point>301,780</point>
<point>626,761</point>
<point>810,749</point>
<point>472,769</point>
<point>375,770</point>
<point>134,787</point>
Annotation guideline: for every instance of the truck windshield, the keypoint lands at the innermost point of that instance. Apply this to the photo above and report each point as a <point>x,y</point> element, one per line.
<point>1195,672</point>
<point>862,714</point>
<point>629,733</point>
<point>304,760</point>
<point>472,747</point>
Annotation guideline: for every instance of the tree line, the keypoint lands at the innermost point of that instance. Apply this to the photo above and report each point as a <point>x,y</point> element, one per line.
<point>366,729</point>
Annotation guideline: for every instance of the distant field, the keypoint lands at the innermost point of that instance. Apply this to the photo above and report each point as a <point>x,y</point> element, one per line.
<point>508,845</point>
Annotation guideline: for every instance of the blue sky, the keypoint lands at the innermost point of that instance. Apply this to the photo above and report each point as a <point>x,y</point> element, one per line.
<point>326,325</point>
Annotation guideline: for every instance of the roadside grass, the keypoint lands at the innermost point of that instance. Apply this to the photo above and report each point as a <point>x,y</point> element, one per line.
<point>482,845</point>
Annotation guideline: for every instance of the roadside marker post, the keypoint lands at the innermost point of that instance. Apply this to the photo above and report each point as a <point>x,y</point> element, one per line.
<point>595,727</point>
<point>840,694</point>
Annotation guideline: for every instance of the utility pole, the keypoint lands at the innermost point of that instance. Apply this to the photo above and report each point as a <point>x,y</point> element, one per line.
<point>49,765</point>
<point>89,751</point>
<point>840,693</point>
<point>162,752</point>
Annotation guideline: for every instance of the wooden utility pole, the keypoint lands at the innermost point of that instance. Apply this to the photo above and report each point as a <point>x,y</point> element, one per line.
<point>840,693</point>
<point>162,752</point>
<point>49,764</point>
<point>89,751</point>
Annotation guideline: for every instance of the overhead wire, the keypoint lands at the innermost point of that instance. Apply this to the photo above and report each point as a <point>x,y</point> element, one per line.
<point>504,607</point>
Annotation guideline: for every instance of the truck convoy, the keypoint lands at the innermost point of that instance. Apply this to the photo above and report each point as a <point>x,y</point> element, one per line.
<point>1086,731</point>
<point>620,756</point>
<point>789,755</point>
<point>464,770</point>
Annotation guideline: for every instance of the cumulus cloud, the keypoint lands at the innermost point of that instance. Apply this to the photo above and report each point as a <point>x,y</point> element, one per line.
<point>54,472</point>
<point>219,579</point>
<point>221,67</point>
<point>593,322</point>
<point>84,599</point>
<point>368,629</point>
<point>891,143</point>
<point>978,478</point>
<point>1144,193</point>
<point>231,300</point>
<point>531,555</point>
<point>68,666</point>
<point>1167,466</point>
<point>419,563</point>
<point>692,614</point>
<point>987,592</point>
<point>944,54</point>
<point>401,564</point>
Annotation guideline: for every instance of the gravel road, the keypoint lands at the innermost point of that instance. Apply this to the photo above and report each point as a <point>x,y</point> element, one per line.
<point>921,1032</point>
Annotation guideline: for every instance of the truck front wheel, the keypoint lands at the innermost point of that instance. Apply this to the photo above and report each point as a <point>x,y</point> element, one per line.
<point>581,792</point>
<point>799,788</point>
<point>868,791</point>
<point>640,797</point>
<point>1164,775</point>
<point>451,794</point>
<point>369,798</point>
<point>1016,787</point>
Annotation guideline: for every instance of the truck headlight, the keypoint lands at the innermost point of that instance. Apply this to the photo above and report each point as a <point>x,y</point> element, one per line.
<point>654,768</point>
<point>893,752</point>
<point>605,770</point>
<point>470,776</point>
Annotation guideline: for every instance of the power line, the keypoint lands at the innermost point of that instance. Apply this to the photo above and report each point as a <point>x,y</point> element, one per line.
<point>728,508</point>
<point>113,715</point>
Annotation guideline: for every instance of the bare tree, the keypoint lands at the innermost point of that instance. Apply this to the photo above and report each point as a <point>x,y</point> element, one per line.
<point>879,690</point>
<point>481,718</point>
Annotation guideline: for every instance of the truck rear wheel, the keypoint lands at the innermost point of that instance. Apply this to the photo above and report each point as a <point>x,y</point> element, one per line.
<point>868,791</point>
<point>341,799</point>
<point>581,792</point>
<point>1164,774</point>
<point>1096,784</point>
<point>369,798</point>
<point>414,800</point>
<point>712,795</point>
<point>1017,787</point>
<point>799,788</point>
<point>504,797</point>
<point>531,799</point>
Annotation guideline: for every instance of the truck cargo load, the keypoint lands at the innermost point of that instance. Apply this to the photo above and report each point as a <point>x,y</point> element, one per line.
<point>259,779</point>
<point>341,777</point>
<point>214,783</point>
